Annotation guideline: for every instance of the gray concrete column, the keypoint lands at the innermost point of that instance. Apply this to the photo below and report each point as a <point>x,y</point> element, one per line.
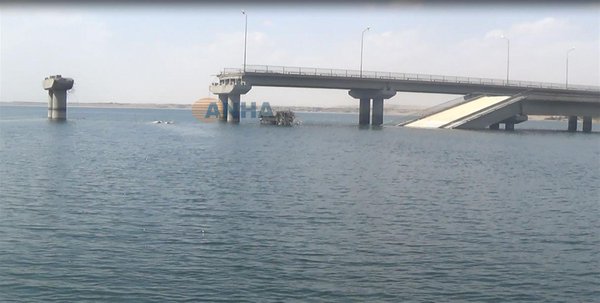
<point>50,106</point>
<point>509,126</point>
<point>364,111</point>
<point>233,108</point>
<point>572,124</point>
<point>495,126</point>
<point>377,113</point>
<point>59,105</point>
<point>57,87</point>
<point>223,98</point>
<point>587,124</point>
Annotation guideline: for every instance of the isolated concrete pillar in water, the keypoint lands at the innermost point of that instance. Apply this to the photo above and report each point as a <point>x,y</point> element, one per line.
<point>495,126</point>
<point>364,111</point>
<point>223,99</point>
<point>58,108</point>
<point>509,126</point>
<point>377,114</point>
<point>233,108</point>
<point>587,124</point>
<point>572,124</point>
<point>57,87</point>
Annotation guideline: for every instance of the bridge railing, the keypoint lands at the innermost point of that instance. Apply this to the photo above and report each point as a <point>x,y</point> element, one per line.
<point>343,73</point>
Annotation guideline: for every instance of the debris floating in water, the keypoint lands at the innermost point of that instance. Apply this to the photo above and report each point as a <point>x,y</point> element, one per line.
<point>282,118</point>
<point>162,122</point>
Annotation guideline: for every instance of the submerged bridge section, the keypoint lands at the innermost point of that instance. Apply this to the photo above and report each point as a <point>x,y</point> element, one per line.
<point>475,112</point>
<point>518,98</point>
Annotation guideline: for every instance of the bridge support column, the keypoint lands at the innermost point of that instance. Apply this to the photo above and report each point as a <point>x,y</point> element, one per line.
<point>377,114</point>
<point>229,92</point>
<point>223,99</point>
<point>57,104</point>
<point>572,127</point>
<point>364,111</point>
<point>233,108</point>
<point>365,96</point>
<point>57,87</point>
<point>587,124</point>
<point>509,126</point>
<point>495,126</point>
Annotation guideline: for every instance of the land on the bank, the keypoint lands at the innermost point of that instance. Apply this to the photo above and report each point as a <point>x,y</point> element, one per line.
<point>390,109</point>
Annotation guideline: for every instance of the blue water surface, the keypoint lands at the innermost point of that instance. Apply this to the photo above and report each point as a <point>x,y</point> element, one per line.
<point>108,206</point>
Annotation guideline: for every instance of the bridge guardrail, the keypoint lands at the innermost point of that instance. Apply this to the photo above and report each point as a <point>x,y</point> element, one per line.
<point>326,72</point>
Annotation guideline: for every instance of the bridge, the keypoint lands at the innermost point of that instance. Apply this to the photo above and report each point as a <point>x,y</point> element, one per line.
<point>519,98</point>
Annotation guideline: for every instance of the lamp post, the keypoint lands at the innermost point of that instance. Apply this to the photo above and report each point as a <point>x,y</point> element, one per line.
<point>507,57</point>
<point>362,40</point>
<point>567,68</point>
<point>245,36</point>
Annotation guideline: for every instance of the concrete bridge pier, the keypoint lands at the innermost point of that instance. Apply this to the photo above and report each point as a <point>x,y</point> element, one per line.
<point>223,98</point>
<point>57,87</point>
<point>377,113</point>
<point>510,126</point>
<point>572,126</point>
<point>364,111</point>
<point>587,124</point>
<point>229,94</point>
<point>495,126</point>
<point>233,108</point>
<point>365,96</point>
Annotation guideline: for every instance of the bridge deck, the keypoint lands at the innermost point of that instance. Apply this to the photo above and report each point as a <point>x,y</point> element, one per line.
<point>264,75</point>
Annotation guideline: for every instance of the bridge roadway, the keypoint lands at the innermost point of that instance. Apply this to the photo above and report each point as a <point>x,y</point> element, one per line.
<point>540,98</point>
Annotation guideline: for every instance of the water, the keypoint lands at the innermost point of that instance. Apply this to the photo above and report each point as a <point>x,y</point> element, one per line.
<point>110,207</point>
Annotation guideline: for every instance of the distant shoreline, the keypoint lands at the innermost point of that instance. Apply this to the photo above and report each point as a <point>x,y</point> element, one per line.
<point>390,109</point>
<point>104,105</point>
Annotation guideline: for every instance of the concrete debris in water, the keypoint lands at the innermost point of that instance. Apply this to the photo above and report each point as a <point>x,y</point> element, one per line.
<point>282,118</point>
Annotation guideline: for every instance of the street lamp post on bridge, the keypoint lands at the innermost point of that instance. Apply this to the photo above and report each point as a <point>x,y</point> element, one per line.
<point>507,57</point>
<point>362,40</point>
<point>567,68</point>
<point>245,36</point>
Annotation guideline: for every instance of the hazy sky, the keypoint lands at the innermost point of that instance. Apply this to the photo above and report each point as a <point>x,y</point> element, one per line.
<point>170,53</point>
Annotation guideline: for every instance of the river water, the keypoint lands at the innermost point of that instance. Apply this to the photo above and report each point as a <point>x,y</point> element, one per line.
<point>111,207</point>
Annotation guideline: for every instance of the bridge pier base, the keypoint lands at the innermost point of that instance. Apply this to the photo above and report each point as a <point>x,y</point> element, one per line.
<point>495,126</point>
<point>223,98</point>
<point>233,108</point>
<point>364,111</point>
<point>587,124</point>
<point>377,113</point>
<point>509,126</point>
<point>572,126</point>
